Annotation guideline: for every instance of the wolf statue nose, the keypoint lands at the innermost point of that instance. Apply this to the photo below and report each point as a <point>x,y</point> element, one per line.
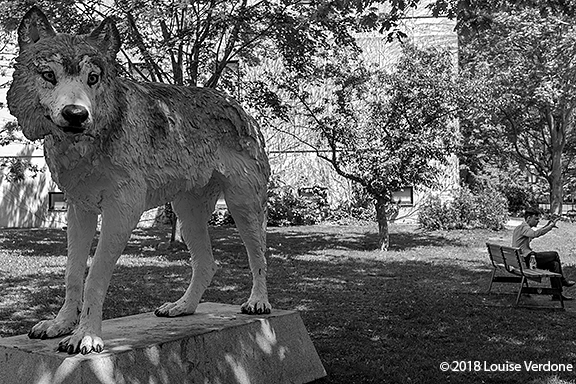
<point>75,114</point>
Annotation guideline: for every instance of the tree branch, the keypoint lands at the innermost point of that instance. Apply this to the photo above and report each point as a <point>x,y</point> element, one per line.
<point>333,159</point>
<point>155,71</point>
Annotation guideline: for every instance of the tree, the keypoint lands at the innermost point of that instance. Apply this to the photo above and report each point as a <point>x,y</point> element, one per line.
<point>194,43</point>
<point>523,95</point>
<point>381,129</point>
<point>184,42</point>
<point>16,167</point>
<point>474,16</point>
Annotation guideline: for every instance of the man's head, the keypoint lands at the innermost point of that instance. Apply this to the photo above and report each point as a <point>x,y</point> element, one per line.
<point>532,216</point>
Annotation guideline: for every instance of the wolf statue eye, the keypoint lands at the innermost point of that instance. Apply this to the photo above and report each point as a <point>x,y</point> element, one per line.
<point>49,76</point>
<point>93,78</point>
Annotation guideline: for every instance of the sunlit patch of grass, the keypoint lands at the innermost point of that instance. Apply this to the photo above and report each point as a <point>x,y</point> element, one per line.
<point>552,380</point>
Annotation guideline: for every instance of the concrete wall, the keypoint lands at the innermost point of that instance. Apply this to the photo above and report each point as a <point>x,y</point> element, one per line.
<point>25,203</point>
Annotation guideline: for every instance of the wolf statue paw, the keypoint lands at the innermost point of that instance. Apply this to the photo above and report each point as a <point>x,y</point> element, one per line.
<point>48,329</point>
<point>256,307</point>
<point>174,309</point>
<point>81,342</point>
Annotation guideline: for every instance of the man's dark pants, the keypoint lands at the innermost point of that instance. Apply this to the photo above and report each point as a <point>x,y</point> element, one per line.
<point>550,261</point>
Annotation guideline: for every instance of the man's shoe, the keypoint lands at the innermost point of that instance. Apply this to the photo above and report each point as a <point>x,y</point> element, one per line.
<point>568,283</point>
<point>564,298</point>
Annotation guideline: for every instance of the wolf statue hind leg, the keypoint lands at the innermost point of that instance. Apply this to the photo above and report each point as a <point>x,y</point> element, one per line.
<point>194,211</point>
<point>247,204</point>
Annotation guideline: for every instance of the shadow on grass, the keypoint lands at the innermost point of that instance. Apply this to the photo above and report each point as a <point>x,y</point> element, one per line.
<point>372,319</point>
<point>292,240</point>
<point>34,242</point>
<point>28,299</point>
<point>295,241</point>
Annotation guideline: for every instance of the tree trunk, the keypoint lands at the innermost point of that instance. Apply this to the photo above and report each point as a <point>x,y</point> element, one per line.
<point>155,72</point>
<point>556,194</point>
<point>175,234</point>
<point>558,142</point>
<point>382,219</point>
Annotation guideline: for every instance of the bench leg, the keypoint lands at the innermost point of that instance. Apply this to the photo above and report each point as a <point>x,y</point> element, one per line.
<point>527,290</point>
<point>561,295</point>
<point>491,280</point>
<point>522,282</point>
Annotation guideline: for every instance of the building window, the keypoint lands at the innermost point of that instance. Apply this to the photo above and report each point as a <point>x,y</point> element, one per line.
<point>404,197</point>
<point>57,201</point>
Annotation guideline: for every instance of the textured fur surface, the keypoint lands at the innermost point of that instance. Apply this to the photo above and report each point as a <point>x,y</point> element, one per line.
<point>116,148</point>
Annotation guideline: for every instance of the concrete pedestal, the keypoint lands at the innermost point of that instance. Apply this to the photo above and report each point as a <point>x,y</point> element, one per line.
<point>216,345</point>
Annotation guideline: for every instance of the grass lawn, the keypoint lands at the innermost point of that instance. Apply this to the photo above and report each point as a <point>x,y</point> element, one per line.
<point>374,317</point>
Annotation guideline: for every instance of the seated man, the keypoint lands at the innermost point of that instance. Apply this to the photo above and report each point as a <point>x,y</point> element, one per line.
<point>549,260</point>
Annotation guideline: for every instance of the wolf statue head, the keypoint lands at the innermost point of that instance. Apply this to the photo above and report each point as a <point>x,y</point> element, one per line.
<point>64,84</point>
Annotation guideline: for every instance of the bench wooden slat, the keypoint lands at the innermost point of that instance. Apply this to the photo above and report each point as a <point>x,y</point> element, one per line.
<point>507,279</point>
<point>540,272</point>
<point>496,255</point>
<point>511,256</point>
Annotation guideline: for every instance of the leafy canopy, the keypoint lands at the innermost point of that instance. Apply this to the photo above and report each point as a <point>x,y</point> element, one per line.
<point>382,128</point>
<point>522,92</point>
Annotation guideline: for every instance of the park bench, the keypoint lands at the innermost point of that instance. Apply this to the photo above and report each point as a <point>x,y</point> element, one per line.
<point>511,261</point>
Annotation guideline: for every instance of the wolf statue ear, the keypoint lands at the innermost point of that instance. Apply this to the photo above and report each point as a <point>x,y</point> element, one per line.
<point>106,37</point>
<point>33,27</point>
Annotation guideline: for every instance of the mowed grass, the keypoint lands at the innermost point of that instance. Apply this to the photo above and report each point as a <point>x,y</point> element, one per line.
<point>374,317</point>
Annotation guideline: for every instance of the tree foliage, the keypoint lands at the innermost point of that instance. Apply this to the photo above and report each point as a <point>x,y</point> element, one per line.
<point>474,16</point>
<point>394,125</point>
<point>212,42</point>
<point>520,74</point>
<point>192,43</point>
<point>16,169</point>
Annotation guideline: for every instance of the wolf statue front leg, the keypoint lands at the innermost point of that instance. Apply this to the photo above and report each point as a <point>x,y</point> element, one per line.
<point>81,230</point>
<point>118,221</point>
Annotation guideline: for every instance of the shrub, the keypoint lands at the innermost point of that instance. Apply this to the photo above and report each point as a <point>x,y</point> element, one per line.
<point>433,214</point>
<point>519,196</point>
<point>220,218</point>
<point>287,207</point>
<point>487,208</point>
<point>492,207</point>
<point>349,214</point>
<point>512,183</point>
<point>359,209</point>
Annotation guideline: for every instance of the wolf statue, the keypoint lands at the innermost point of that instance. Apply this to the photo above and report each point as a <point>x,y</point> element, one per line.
<point>117,147</point>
